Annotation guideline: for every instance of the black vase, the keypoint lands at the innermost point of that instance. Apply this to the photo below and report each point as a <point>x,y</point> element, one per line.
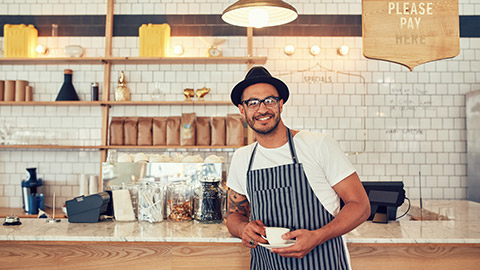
<point>67,92</point>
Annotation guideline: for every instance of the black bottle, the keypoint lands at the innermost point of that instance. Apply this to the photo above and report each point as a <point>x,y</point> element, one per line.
<point>94,91</point>
<point>67,92</point>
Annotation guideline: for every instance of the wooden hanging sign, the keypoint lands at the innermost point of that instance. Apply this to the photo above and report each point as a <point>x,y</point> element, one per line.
<point>410,32</point>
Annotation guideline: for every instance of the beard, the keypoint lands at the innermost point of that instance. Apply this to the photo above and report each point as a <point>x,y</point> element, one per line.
<point>264,130</point>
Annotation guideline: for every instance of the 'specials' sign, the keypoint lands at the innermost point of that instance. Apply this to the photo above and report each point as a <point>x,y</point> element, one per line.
<point>410,32</point>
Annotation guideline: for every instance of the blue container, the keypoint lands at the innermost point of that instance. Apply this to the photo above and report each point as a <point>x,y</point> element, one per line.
<point>32,204</point>
<point>35,202</point>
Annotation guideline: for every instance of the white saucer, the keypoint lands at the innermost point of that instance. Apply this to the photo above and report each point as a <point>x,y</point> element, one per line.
<point>268,246</point>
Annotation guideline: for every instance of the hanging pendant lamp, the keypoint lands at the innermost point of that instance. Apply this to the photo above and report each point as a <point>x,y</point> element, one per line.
<point>251,13</point>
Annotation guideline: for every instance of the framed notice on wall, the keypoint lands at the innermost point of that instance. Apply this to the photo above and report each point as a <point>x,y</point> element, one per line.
<point>410,32</point>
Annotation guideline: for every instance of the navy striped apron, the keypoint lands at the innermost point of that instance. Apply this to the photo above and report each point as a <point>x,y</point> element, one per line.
<point>282,197</point>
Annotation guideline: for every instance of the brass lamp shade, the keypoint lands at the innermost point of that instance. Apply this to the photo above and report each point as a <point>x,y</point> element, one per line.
<point>243,12</point>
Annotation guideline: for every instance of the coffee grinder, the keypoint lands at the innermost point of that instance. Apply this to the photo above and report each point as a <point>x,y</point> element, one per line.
<point>32,200</point>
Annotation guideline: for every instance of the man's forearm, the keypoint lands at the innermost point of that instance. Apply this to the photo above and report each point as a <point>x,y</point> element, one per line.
<point>236,223</point>
<point>355,211</point>
<point>238,213</point>
<point>351,215</point>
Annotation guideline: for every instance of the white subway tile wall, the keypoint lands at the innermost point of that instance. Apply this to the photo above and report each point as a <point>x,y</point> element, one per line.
<point>90,7</point>
<point>415,121</point>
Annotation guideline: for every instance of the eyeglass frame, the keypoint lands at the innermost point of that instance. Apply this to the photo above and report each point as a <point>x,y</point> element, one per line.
<point>260,101</point>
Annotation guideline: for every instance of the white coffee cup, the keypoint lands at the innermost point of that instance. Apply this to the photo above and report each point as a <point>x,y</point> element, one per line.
<point>274,235</point>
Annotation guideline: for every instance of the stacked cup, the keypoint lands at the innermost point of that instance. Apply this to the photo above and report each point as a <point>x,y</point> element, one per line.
<point>18,90</point>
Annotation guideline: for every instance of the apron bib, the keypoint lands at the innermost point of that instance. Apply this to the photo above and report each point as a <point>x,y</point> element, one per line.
<point>282,197</point>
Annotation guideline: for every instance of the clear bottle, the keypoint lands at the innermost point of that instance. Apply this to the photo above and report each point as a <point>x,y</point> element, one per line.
<point>208,202</point>
<point>67,92</point>
<point>122,93</point>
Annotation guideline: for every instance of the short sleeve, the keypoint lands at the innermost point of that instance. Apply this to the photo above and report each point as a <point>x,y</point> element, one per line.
<point>334,161</point>
<point>236,178</point>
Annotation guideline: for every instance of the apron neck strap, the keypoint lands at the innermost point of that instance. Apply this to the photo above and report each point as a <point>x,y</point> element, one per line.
<point>290,145</point>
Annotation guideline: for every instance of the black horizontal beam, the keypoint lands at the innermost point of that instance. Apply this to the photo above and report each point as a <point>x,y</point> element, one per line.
<point>207,25</point>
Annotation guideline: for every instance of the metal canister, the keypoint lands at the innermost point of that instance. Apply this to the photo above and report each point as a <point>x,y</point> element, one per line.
<point>94,91</point>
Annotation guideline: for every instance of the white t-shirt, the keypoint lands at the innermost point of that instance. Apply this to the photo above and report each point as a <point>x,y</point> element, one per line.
<point>325,165</point>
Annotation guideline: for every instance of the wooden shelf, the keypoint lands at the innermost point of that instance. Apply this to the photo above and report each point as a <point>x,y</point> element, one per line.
<point>111,103</point>
<point>102,147</point>
<point>48,146</point>
<point>133,60</point>
<point>186,60</point>
<point>126,103</point>
<point>51,103</point>
<point>171,146</point>
<point>51,61</point>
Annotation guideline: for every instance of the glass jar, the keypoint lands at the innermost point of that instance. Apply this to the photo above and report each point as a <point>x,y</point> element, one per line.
<point>179,201</point>
<point>208,202</point>
<point>151,201</point>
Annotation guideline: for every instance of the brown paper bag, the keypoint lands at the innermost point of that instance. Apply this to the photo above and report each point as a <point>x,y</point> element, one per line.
<point>159,130</point>
<point>235,130</point>
<point>203,130</point>
<point>145,131</point>
<point>130,127</point>
<point>218,131</point>
<point>187,129</point>
<point>116,131</point>
<point>173,130</point>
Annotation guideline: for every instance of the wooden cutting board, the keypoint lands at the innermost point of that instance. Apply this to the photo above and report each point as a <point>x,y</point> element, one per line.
<point>410,32</point>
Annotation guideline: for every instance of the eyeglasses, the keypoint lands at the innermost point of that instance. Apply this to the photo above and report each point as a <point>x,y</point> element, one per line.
<point>254,103</point>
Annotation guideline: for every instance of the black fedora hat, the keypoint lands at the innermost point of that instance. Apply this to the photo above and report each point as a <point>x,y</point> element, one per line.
<point>258,75</point>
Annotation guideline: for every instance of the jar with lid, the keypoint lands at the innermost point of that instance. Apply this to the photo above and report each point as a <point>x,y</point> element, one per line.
<point>179,200</point>
<point>151,201</point>
<point>208,200</point>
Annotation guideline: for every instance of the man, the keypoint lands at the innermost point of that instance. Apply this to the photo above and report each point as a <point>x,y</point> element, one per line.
<point>291,179</point>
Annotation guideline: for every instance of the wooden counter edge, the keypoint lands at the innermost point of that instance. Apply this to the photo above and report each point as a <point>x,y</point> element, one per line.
<point>6,211</point>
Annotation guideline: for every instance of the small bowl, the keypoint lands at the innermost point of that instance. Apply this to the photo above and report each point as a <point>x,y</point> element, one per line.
<point>73,50</point>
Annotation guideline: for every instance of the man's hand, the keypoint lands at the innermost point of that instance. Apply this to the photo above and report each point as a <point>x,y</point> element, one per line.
<point>305,241</point>
<point>252,234</point>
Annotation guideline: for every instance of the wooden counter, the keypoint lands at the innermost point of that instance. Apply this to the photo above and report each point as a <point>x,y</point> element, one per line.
<point>404,244</point>
<point>123,255</point>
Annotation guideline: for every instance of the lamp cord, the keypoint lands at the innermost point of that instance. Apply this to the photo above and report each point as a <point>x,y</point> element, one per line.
<point>405,211</point>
